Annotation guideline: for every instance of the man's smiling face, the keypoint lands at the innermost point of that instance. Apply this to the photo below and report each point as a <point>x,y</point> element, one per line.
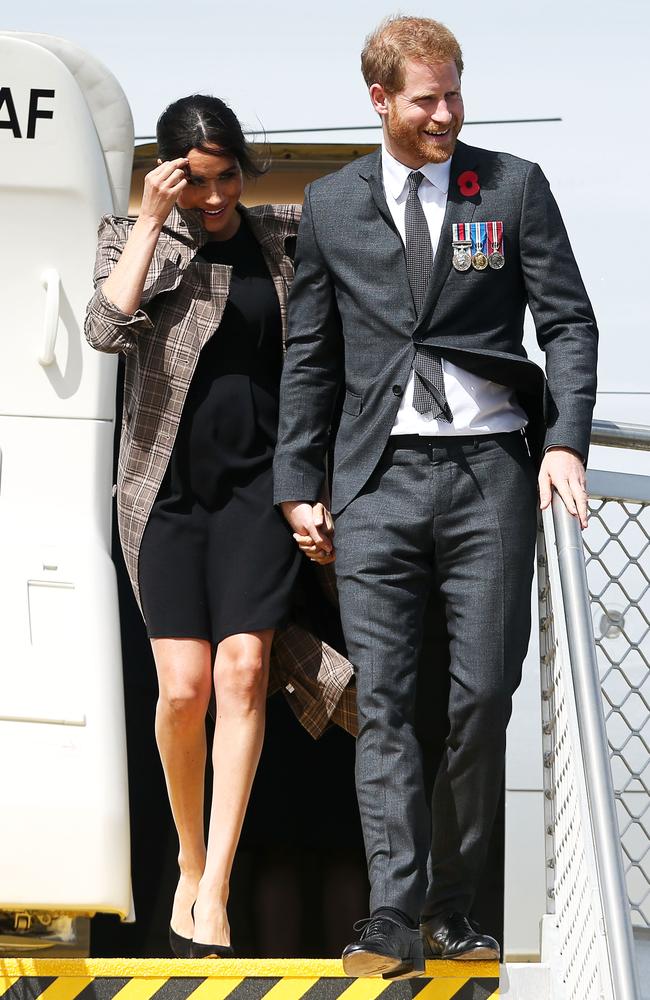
<point>422,121</point>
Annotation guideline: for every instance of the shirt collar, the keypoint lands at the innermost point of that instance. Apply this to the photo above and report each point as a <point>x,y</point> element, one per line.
<point>395,174</point>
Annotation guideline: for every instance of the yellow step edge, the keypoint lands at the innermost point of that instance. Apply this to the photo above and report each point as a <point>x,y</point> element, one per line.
<point>233,968</point>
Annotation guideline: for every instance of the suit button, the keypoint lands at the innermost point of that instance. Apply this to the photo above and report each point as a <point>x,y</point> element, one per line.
<point>397,389</point>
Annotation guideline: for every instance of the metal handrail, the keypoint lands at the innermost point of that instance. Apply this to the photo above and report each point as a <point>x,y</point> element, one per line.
<point>612,434</point>
<point>598,778</point>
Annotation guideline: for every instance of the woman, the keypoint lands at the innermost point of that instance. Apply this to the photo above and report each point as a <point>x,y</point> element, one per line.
<point>194,294</point>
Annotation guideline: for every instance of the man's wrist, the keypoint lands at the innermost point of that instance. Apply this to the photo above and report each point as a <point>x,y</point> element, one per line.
<point>565,447</point>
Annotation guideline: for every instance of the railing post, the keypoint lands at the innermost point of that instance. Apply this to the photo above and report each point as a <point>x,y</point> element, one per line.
<point>591,722</point>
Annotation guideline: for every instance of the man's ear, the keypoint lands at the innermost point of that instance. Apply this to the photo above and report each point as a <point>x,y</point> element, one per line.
<point>379,99</point>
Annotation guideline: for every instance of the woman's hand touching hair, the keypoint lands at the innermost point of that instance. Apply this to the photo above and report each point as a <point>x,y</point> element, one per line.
<point>162,186</point>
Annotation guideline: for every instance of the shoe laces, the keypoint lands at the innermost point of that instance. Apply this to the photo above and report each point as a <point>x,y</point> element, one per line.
<point>373,927</point>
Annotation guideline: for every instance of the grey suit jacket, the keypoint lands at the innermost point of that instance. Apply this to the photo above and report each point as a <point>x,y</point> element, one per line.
<point>352,324</point>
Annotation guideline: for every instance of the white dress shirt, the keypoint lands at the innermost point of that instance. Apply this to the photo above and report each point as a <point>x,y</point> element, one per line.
<point>478,405</point>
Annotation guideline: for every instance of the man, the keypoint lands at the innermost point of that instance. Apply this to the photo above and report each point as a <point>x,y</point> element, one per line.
<point>414,267</point>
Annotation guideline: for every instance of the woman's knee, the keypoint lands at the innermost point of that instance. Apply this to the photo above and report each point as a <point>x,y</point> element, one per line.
<point>241,672</point>
<point>184,681</point>
<point>184,702</point>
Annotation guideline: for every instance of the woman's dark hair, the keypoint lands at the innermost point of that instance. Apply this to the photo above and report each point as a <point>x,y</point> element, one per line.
<point>203,122</point>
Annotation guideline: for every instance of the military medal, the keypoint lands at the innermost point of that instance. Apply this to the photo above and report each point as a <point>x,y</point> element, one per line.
<point>496,258</point>
<point>462,244</point>
<point>462,260</point>
<point>479,235</point>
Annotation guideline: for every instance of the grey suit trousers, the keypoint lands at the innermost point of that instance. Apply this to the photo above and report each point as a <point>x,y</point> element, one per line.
<point>458,515</point>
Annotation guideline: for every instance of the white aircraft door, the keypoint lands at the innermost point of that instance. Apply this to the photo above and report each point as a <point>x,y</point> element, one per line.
<point>64,837</point>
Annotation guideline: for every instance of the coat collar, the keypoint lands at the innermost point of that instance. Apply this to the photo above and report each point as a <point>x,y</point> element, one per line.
<point>270,234</point>
<point>269,227</point>
<point>370,171</point>
<point>395,175</point>
<point>464,158</point>
<point>184,224</point>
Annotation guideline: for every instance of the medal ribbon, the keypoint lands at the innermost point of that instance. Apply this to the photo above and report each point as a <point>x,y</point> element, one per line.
<point>479,234</point>
<point>496,236</point>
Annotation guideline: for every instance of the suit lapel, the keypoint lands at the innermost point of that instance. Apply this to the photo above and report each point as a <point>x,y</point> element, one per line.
<point>371,172</point>
<point>459,209</point>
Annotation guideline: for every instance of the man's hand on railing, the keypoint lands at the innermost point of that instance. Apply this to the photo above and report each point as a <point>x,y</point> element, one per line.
<point>564,469</point>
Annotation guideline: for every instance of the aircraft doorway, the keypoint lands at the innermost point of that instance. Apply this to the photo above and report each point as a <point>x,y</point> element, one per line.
<point>299,880</point>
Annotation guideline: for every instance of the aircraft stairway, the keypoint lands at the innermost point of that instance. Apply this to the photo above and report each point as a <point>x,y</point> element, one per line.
<point>594,622</point>
<point>597,872</point>
<point>58,600</point>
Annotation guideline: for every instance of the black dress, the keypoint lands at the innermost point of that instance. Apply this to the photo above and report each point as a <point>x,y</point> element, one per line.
<point>216,557</point>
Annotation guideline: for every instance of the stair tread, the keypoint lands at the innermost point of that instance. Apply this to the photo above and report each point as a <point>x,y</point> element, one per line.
<point>225,968</point>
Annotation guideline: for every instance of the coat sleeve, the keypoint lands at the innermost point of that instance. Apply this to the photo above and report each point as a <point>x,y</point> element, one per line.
<point>312,373</point>
<point>564,320</point>
<point>106,327</point>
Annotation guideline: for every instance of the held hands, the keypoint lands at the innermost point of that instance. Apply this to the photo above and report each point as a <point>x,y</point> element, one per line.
<point>313,528</point>
<point>162,186</point>
<point>563,469</point>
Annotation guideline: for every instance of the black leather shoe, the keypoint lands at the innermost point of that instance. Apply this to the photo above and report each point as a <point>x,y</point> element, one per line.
<point>198,950</point>
<point>179,945</point>
<point>385,948</point>
<point>451,935</point>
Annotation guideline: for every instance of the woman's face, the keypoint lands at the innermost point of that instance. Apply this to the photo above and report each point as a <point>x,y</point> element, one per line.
<point>214,186</point>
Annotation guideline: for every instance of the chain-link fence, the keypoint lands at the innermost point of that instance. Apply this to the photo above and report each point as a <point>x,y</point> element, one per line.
<point>617,544</point>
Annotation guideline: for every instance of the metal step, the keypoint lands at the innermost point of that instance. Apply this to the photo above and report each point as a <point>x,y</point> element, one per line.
<point>642,951</point>
<point>525,981</point>
<point>238,979</point>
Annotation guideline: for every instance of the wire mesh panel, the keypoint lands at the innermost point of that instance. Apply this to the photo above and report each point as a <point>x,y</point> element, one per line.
<point>578,960</point>
<point>617,544</point>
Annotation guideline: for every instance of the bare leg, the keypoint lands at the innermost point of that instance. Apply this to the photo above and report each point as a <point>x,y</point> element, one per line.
<point>241,671</point>
<point>184,681</point>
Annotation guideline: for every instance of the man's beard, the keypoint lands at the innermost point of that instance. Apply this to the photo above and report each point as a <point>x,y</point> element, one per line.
<point>408,137</point>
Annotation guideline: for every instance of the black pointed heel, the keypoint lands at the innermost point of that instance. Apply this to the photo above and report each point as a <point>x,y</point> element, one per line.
<point>198,950</point>
<point>181,946</point>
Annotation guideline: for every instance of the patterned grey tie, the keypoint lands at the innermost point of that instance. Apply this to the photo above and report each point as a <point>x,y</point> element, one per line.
<point>429,385</point>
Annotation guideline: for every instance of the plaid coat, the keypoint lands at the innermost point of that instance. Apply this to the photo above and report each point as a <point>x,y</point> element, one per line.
<point>181,307</point>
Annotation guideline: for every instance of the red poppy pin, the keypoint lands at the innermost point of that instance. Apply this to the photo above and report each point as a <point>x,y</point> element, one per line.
<point>468,184</point>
